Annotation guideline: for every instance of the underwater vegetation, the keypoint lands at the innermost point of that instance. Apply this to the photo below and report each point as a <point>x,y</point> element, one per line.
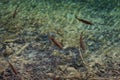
<point>59,40</point>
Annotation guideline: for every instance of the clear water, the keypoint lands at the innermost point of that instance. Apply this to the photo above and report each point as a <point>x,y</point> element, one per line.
<point>26,27</point>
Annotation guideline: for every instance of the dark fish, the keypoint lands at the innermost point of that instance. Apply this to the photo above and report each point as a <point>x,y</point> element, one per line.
<point>84,21</point>
<point>82,43</point>
<point>12,67</point>
<point>15,11</point>
<point>56,42</point>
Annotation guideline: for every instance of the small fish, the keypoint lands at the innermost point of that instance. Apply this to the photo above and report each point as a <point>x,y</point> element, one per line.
<point>15,11</point>
<point>12,67</point>
<point>84,21</point>
<point>56,42</point>
<point>82,43</point>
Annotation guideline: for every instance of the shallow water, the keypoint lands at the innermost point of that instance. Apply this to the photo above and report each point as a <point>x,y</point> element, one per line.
<point>26,28</point>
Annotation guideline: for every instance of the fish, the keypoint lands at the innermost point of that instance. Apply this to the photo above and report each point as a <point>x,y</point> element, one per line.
<point>11,66</point>
<point>15,12</point>
<point>84,21</point>
<point>82,43</point>
<point>58,44</point>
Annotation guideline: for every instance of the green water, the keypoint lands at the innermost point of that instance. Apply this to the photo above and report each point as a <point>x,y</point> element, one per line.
<point>34,21</point>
